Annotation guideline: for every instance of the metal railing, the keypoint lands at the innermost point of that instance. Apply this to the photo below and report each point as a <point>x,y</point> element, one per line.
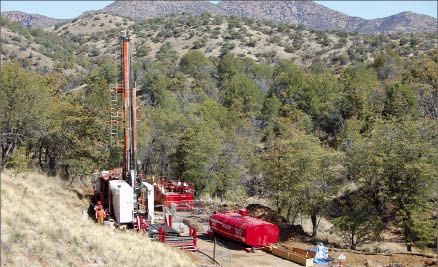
<point>219,253</point>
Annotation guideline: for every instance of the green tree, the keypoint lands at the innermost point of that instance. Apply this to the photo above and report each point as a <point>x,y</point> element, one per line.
<point>76,140</point>
<point>394,167</point>
<point>19,161</point>
<point>25,107</point>
<point>400,100</point>
<point>323,184</point>
<point>410,167</point>
<point>271,107</point>
<point>240,90</point>
<point>96,93</point>
<point>195,64</point>
<point>358,222</point>
<point>167,54</point>
<point>358,85</point>
<point>301,173</point>
<point>200,149</point>
<point>230,66</point>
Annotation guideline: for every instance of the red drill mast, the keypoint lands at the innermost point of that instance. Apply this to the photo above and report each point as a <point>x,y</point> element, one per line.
<point>120,192</point>
<point>130,168</point>
<point>130,144</point>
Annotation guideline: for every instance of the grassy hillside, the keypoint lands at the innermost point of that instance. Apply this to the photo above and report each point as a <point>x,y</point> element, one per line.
<point>42,225</point>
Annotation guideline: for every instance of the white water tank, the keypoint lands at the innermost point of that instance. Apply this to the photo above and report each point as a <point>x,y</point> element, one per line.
<point>122,200</point>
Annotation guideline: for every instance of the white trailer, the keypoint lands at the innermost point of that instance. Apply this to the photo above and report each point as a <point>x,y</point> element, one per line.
<point>122,201</point>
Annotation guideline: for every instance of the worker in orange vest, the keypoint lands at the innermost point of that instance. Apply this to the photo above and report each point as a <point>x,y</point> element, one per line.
<point>96,207</point>
<point>100,214</point>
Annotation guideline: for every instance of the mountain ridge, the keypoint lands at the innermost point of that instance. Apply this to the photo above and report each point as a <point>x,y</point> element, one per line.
<point>308,13</point>
<point>32,20</point>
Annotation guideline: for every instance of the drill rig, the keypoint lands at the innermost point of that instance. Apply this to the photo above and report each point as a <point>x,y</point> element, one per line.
<point>119,189</point>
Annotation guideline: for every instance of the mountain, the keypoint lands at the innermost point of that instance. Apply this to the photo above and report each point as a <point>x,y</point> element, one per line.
<point>31,20</point>
<point>401,22</point>
<point>297,12</point>
<point>141,10</point>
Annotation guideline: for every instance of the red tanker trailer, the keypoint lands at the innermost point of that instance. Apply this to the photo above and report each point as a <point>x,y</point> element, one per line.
<point>245,229</point>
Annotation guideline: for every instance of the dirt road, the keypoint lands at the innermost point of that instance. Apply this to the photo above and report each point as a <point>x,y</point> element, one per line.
<point>241,258</point>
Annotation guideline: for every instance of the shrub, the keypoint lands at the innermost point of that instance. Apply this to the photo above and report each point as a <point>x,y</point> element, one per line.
<point>94,52</point>
<point>251,43</point>
<point>289,49</point>
<point>143,50</point>
<point>200,43</point>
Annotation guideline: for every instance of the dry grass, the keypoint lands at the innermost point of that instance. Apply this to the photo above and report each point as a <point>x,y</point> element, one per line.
<point>42,225</point>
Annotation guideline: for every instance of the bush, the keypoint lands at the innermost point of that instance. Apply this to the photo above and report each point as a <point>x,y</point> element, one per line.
<point>94,52</point>
<point>143,50</point>
<point>414,41</point>
<point>200,43</point>
<point>251,43</point>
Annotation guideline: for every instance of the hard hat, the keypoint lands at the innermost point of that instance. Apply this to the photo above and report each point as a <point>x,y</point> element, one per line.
<point>99,203</point>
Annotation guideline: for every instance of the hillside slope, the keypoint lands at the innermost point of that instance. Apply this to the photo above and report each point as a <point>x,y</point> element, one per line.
<point>214,35</point>
<point>74,46</point>
<point>42,224</point>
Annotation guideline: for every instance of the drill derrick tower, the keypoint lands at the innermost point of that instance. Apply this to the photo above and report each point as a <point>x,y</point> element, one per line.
<point>130,168</point>
<point>129,171</point>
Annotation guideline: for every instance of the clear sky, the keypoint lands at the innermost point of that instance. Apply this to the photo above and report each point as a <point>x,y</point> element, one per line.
<point>363,9</point>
